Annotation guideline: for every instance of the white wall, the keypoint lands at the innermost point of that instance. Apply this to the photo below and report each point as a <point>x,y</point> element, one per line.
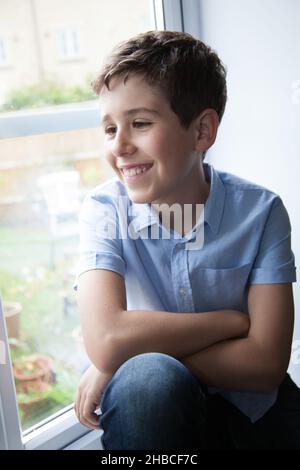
<point>259,41</point>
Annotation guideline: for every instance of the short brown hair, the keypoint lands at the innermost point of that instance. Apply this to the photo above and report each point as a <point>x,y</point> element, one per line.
<point>190,73</point>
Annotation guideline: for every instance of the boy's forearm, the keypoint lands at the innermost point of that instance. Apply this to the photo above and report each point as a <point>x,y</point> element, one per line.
<point>175,334</point>
<point>234,364</point>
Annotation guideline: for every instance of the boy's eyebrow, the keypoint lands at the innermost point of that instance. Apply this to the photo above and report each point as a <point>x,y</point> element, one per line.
<point>129,112</point>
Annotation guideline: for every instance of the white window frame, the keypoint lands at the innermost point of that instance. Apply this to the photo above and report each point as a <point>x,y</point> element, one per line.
<point>10,428</point>
<point>62,431</point>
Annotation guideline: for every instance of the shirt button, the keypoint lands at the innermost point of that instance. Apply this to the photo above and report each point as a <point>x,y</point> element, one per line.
<point>182,291</point>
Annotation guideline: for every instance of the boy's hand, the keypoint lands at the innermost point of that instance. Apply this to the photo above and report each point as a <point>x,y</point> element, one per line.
<point>90,389</point>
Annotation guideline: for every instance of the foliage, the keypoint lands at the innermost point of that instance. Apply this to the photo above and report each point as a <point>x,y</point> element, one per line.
<point>43,404</point>
<point>48,92</point>
<point>46,326</point>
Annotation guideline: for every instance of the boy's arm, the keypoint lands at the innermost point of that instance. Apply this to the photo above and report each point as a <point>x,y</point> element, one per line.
<point>259,361</point>
<point>112,334</point>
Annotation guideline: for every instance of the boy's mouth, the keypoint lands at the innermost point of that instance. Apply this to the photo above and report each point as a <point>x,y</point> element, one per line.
<point>136,171</point>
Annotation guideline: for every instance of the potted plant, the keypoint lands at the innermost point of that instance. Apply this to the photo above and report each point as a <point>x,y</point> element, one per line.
<point>34,376</point>
<point>33,373</point>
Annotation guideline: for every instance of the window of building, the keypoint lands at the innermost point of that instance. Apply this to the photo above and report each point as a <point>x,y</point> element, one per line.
<point>69,43</point>
<point>3,52</point>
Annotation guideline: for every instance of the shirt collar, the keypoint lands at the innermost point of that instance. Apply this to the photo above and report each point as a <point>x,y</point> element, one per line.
<point>144,216</point>
<point>214,205</point>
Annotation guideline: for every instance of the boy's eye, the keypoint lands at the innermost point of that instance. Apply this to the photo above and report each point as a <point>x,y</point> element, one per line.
<point>110,130</point>
<point>141,124</point>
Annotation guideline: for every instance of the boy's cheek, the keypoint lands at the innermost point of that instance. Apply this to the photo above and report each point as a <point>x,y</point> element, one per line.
<point>116,170</point>
<point>110,160</point>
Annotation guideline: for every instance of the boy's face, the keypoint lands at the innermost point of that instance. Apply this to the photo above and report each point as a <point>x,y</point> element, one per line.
<point>142,132</point>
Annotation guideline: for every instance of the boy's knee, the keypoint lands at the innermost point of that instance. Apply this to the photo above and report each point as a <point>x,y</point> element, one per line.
<point>158,402</point>
<point>151,361</point>
<point>144,367</point>
<point>151,374</point>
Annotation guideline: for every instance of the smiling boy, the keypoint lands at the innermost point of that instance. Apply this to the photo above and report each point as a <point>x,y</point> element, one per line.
<point>189,347</point>
<point>154,176</point>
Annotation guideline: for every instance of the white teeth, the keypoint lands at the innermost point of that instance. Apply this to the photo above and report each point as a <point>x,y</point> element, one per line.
<point>134,171</point>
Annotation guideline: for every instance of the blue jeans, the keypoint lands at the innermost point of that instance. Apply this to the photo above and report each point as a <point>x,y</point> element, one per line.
<point>153,402</point>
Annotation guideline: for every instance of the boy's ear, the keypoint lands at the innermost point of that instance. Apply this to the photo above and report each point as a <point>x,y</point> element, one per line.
<point>206,127</point>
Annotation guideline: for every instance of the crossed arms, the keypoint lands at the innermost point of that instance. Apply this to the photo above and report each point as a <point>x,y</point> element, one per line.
<point>225,349</point>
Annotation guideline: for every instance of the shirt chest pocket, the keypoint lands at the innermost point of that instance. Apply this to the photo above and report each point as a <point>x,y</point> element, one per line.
<point>218,289</point>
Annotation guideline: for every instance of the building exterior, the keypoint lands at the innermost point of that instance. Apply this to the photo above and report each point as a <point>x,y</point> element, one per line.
<point>62,40</point>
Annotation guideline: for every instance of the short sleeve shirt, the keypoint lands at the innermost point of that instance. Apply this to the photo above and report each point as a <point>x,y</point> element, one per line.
<point>243,238</point>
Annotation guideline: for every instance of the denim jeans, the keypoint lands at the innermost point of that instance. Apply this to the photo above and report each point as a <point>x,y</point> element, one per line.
<point>153,402</point>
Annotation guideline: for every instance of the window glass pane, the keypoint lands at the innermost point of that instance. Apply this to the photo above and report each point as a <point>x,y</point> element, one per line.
<point>55,49</point>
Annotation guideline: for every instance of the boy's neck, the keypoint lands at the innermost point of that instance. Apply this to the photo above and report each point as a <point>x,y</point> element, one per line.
<point>189,207</point>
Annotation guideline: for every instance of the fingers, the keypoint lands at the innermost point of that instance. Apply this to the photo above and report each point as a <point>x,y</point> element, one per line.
<point>85,411</point>
<point>89,414</point>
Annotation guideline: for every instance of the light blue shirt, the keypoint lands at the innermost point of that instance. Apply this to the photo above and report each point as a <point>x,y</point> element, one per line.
<point>247,240</point>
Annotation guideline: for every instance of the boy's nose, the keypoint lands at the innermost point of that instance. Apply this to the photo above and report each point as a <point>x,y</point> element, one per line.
<point>122,145</point>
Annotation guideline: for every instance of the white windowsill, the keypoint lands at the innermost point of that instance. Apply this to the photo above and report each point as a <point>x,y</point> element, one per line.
<point>56,434</point>
<point>90,441</point>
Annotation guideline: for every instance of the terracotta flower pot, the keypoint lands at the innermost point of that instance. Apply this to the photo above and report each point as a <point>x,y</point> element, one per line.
<point>34,377</point>
<point>33,373</point>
